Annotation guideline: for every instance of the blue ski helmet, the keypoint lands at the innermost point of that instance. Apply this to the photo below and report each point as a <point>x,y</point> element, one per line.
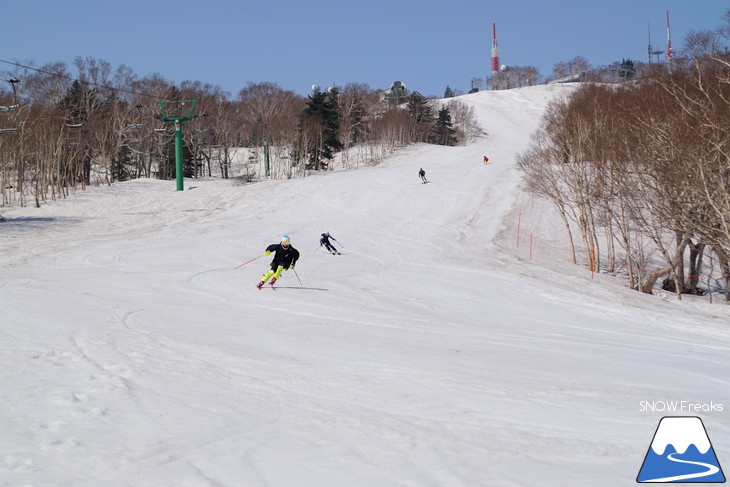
<point>285,240</point>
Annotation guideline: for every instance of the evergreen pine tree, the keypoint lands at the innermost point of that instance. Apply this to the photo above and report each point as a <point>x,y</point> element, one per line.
<point>122,164</point>
<point>627,69</point>
<point>422,114</point>
<point>188,161</point>
<point>75,101</point>
<point>166,167</point>
<point>322,110</point>
<point>448,93</point>
<point>444,131</point>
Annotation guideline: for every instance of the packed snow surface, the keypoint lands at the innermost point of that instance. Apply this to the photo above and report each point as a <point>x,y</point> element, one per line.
<point>432,352</point>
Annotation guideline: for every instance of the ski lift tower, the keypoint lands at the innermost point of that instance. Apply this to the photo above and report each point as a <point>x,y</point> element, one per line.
<point>177,112</point>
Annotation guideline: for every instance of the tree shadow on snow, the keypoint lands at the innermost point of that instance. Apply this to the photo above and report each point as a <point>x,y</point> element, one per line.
<point>31,223</point>
<point>299,287</point>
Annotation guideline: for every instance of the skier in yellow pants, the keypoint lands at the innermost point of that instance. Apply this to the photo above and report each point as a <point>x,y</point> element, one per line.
<point>285,256</point>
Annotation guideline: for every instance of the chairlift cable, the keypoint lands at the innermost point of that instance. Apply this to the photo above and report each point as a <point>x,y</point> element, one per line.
<point>69,78</point>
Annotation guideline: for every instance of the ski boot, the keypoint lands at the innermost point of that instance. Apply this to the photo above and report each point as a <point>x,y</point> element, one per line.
<point>272,281</point>
<point>260,285</point>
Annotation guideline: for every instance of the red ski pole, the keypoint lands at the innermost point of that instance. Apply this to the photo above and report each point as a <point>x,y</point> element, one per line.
<point>248,262</point>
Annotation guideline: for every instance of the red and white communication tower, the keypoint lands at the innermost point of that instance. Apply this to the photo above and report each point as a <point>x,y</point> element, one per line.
<point>669,43</point>
<point>495,55</point>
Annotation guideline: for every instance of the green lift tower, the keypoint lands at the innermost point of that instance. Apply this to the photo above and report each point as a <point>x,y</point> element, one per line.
<point>177,112</point>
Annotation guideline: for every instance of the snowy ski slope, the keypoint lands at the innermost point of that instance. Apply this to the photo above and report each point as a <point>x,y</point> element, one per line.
<point>431,353</point>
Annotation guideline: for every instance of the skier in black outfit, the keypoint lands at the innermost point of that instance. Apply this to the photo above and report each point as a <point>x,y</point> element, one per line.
<point>285,256</point>
<point>325,240</point>
<point>422,173</point>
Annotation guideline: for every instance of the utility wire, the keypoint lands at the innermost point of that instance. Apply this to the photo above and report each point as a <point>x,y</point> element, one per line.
<point>63,76</point>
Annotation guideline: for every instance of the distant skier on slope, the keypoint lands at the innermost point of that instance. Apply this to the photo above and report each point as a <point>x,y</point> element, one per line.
<point>285,256</point>
<point>486,160</point>
<point>422,174</point>
<point>325,240</point>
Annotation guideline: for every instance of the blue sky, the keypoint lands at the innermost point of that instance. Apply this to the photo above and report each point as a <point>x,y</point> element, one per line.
<point>427,45</point>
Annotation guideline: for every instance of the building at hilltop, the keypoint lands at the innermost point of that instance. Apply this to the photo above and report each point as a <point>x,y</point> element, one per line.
<point>396,95</point>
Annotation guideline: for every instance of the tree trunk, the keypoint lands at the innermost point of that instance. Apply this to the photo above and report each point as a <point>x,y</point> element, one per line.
<point>724,257</point>
<point>696,252</point>
<point>647,286</point>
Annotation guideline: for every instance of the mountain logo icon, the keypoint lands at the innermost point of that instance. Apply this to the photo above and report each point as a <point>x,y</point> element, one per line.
<point>680,452</point>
